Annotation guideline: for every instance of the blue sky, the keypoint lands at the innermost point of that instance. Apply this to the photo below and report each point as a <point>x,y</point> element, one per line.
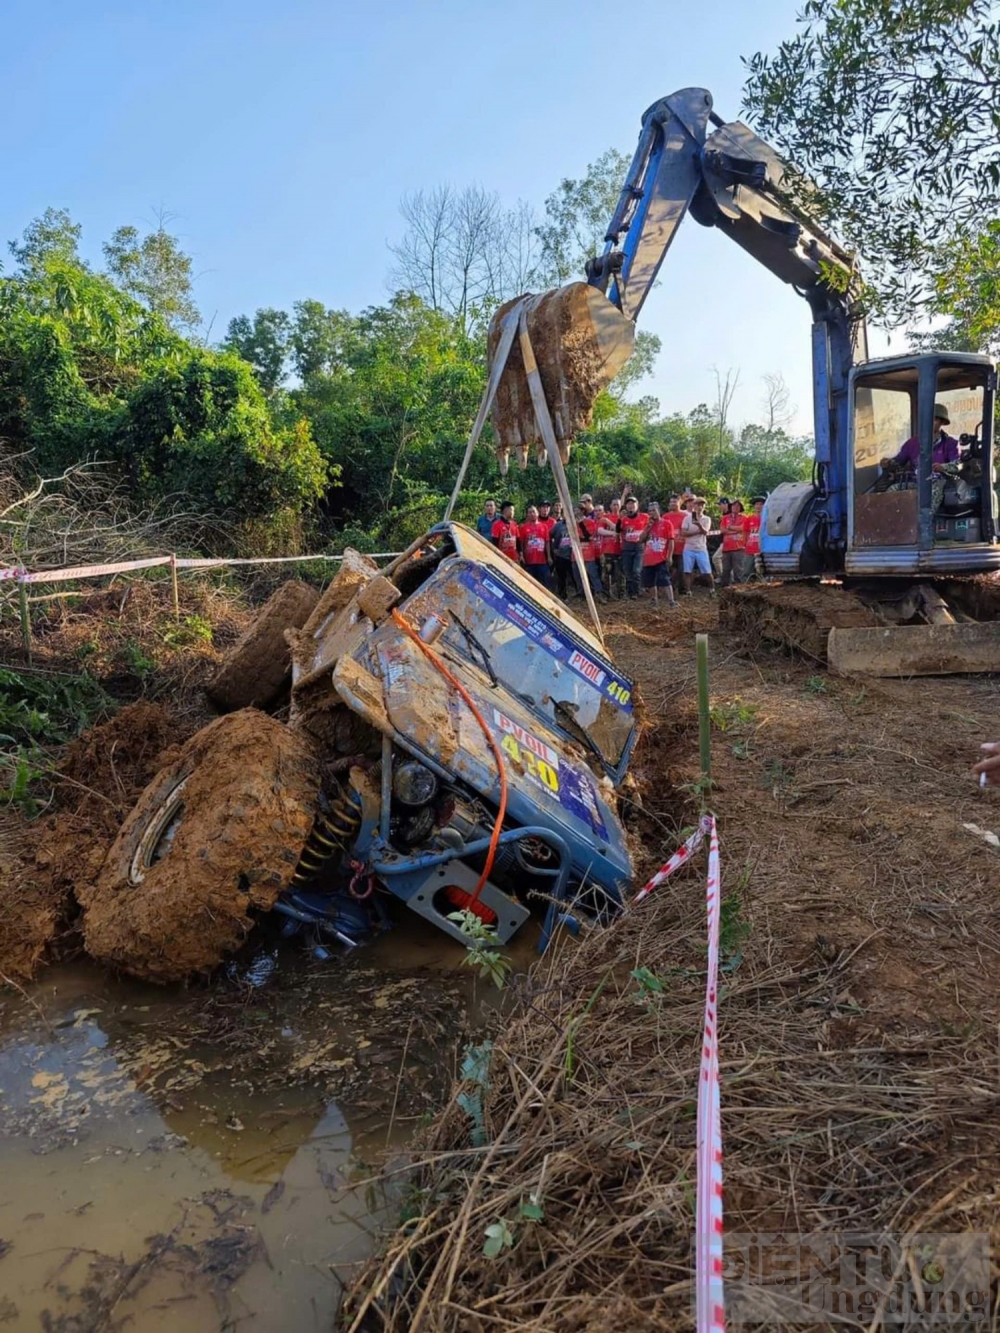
<point>281,136</point>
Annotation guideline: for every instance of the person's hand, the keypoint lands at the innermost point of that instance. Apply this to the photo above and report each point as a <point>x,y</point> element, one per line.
<point>885,462</point>
<point>936,467</point>
<point>989,767</point>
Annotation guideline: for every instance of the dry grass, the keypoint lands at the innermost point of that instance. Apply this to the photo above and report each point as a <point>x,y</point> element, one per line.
<point>859,1013</point>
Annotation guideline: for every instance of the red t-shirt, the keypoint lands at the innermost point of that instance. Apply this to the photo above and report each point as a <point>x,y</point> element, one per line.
<point>733,534</point>
<point>506,536</point>
<point>611,542</point>
<point>548,523</point>
<point>675,517</point>
<point>751,534</point>
<point>631,527</point>
<point>533,540</point>
<point>588,535</point>
<point>660,536</point>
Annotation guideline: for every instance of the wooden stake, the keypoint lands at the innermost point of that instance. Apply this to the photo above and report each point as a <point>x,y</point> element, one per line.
<point>704,718</point>
<point>173,582</point>
<point>22,597</point>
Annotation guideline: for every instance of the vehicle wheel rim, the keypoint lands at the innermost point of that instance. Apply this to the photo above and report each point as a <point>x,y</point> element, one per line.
<point>159,834</point>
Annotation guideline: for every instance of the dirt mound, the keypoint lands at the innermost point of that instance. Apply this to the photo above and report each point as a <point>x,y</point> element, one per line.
<point>216,836</point>
<point>116,759</point>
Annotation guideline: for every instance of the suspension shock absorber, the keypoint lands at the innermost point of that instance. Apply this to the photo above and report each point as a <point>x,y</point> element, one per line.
<point>332,834</point>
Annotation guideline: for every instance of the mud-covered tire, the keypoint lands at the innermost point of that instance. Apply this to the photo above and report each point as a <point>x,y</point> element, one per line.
<point>256,669</point>
<point>215,837</point>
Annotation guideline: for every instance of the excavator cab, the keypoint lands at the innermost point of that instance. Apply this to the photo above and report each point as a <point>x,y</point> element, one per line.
<point>921,498</point>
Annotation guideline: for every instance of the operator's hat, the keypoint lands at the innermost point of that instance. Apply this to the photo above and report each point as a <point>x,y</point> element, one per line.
<point>941,414</point>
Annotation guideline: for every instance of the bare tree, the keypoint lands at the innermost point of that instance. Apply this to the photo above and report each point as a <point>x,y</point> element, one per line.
<point>777,403</point>
<point>463,251</point>
<point>725,390</point>
<point>421,256</point>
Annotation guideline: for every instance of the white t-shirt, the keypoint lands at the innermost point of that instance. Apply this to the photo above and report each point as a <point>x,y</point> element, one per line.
<point>695,532</point>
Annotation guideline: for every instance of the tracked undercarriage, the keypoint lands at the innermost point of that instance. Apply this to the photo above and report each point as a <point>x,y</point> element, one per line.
<point>932,628</point>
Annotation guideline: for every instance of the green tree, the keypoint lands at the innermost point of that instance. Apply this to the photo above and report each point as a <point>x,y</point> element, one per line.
<point>392,401</point>
<point>893,108</point>
<point>966,289</point>
<point>577,216</point>
<point>155,271</point>
<point>52,237</point>
<point>317,338</point>
<point>89,372</point>
<point>264,342</point>
<point>200,428</point>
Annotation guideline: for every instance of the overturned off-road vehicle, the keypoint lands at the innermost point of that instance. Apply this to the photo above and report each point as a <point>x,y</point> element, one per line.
<point>454,741</point>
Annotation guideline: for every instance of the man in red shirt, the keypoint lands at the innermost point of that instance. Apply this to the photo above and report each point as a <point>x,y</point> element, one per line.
<point>587,528</point>
<point>611,550</point>
<point>535,546</point>
<point>506,534</point>
<point>546,516</point>
<point>657,554</point>
<point>632,528</point>
<point>751,535</point>
<point>675,517</point>
<point>733,540</point>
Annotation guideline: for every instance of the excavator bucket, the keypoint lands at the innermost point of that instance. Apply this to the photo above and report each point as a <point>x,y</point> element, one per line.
<point>580,341</point>
<point>916,650</point>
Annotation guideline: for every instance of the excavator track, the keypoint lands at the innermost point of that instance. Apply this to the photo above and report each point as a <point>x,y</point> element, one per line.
<point>798,616</point>
<point>853,632</point>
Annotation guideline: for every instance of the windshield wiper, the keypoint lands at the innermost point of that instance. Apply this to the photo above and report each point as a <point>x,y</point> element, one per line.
<point>477,647</point>
<point>564,711</point>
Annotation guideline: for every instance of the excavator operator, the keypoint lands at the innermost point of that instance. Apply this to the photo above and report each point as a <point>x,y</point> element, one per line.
<point>945,446</point>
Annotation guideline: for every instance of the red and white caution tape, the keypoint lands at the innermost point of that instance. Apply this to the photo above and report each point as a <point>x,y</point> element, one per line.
<point>709,1296</point>
<point>92,571</point>
<point>179,562</point>
<point>679,858</point>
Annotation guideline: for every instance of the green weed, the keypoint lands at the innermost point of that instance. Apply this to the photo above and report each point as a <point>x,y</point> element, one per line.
<point>20,770</point>
<point>137,660</point>
<point>499,1237</point>
<point>733,932</point>
<point>730,716</point>
<point>778,775</point>
<point>192,629</point>
<point>649,985</point>
<point>816,685</point>
<point>492,965</point>
<point>38,708</point>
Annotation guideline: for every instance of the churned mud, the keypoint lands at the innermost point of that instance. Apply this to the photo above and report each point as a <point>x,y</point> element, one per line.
<point>207,1159</point>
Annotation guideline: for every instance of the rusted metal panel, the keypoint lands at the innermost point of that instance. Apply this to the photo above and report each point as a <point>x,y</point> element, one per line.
<point>889,519</point>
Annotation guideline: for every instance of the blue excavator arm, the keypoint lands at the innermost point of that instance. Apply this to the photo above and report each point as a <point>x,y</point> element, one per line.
<point>688,160</point>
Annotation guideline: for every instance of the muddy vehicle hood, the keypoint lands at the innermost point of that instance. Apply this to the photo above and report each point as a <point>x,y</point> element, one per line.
<point>548,783</point>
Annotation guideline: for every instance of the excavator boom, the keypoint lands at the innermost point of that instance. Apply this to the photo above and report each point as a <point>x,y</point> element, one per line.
<point>687,161</point>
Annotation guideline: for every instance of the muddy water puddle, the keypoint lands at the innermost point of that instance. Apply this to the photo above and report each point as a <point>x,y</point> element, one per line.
<point>215,1158</point>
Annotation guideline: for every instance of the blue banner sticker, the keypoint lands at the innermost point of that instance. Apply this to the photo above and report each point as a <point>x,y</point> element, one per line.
<point>549,636</point>
<point>578,794</point>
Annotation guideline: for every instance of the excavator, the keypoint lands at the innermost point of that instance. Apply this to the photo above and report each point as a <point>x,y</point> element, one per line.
<point>873,565</point>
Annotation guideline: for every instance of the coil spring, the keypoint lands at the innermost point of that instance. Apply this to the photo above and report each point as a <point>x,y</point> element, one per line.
<point>332,834</point>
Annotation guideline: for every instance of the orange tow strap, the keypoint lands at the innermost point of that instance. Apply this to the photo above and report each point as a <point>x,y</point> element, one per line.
<point>453,680</point>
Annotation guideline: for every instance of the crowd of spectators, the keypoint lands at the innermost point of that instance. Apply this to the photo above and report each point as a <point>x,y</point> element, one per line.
<point>628,551</point>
